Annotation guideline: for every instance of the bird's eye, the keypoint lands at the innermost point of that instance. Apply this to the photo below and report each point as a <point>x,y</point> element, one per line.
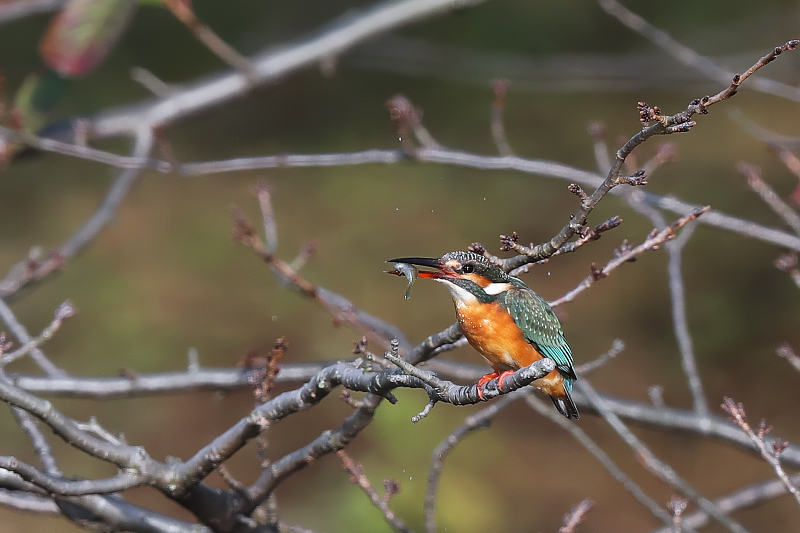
<point>466,269</point>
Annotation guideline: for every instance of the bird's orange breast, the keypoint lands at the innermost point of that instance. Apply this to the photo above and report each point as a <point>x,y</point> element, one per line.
<point>491,330</point>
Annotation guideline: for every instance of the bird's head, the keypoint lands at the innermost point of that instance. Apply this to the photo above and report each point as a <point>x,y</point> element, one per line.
<point>469,276</point>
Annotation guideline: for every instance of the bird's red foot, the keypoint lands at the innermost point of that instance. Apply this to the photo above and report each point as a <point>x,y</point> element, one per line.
<point>503,376</point>
<point>484,379</point>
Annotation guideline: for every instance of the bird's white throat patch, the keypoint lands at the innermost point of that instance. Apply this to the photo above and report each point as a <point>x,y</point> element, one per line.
<point>463,297</point>
<point>497,288</point>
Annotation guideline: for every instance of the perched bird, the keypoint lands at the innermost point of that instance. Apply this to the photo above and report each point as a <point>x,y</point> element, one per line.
<point>510,325</point>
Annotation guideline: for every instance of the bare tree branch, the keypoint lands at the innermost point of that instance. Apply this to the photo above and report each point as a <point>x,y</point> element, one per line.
<point>497,125</point>
<point>592,447</point>
<point>31,345</point>
<point>686,55</point>
<point>785,351</point>
<point>270,65</point>
<point>40,445</point>
<point>770,197</point>
<point>182,9</point>
<point>626,253</point>
<point>616,348</point>
<point>28,271</point>
<point>575,516</point>
<point>62,487</point>
<point>680,322</point>
<point>357,477</point>
<point>473,422</point>
<point>32,503</point>
<point>745,497</point>
<point>772,456</point>
<point>63,312</point>
<point>657,467</point>
<point>10,11</point>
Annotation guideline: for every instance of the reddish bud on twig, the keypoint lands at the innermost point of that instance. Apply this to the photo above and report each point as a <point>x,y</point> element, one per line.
<point>648,114</point>
<point>735,410</point>
<point>477,248</point>
<point>509,242</point>
<point>638,178</point>
<point>575,189</point>
<point>597,273</point>
<point>392,488</point>
<point>677,505</point>
<point>778,446</point>
<point>360,346</point>
<point>609,224</point>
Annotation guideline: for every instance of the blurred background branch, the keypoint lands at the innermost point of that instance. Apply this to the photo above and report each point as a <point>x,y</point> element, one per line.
<point>152,271</point>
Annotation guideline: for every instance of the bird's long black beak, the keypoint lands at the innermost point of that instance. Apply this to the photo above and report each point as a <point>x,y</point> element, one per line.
<point>432,262</point>
<point>441,271</point>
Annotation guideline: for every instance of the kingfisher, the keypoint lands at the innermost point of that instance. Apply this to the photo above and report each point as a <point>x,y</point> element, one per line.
<point>504,320</point>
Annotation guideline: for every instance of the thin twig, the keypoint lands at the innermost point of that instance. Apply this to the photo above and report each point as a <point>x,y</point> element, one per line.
<point>283,527</point>
<point>151,82</point>
<point>654,240</point>
<point>653,123</point>
<point>754,180</point>
<point>687,56</point>
<point>65,487</point>
<point>182,9</point>
<point>680,321</point>
<point>342,309</point>
<point>63,312</point>
<point>785,351</point>
<point>19,330</point>
<point>358,477</point>
<point>408,120</point>
<point>593,448</point>
<point>40,445</point>
<point>15,10</point>
<point>575,516</point>
<point>473,422</point>
<point>264,194</point>
<point>616,348</point>
<point>748,496</point>
<point>677,506</point>
<point>497,125</point>
<point>772,456</point>
<point>271,64</point>
<point>653,464</point>
<point>28,271</point>
<point>441,156</point>
<point>601,156</point>
<point>788,263</point>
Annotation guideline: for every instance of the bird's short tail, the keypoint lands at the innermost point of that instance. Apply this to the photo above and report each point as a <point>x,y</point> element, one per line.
<point>565,405</point>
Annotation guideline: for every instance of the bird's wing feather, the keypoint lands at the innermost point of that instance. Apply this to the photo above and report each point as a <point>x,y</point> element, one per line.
<point>534,316</point>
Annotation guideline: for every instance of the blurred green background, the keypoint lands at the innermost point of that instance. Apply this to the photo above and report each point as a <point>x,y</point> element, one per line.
<point>166,275</point>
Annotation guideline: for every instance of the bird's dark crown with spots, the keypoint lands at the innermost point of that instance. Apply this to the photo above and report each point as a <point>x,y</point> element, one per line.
<point>469,262</point>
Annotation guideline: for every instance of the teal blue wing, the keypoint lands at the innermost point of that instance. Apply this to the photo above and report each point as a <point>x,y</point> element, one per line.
<point>534,316</point>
